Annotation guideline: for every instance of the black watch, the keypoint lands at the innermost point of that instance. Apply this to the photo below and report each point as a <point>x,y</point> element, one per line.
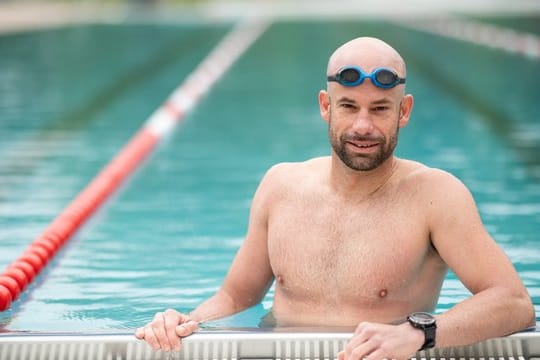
<point>425,322</point>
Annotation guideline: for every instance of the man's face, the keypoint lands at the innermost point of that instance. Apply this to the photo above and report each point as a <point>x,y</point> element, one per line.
<point>363,125</point>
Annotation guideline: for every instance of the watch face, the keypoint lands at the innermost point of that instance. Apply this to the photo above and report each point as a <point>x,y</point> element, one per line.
<point>422,318</point>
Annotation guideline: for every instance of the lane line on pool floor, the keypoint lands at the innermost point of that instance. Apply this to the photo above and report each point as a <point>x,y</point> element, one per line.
<point>24,269</point>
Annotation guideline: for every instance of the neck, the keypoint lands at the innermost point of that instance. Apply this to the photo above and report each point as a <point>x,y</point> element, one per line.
<point>356,184</point>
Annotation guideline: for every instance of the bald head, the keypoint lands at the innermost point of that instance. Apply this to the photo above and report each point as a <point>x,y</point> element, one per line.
<point>368,53</point>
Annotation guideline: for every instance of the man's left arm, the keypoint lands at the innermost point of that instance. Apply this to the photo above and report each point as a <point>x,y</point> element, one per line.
<point>500,304</point>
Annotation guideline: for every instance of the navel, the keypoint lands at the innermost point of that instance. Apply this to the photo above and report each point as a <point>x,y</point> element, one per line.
<point>383,293</point>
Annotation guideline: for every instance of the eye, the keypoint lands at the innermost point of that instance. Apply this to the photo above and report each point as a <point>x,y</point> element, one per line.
<point>381,108</point>
<point>346,106</point>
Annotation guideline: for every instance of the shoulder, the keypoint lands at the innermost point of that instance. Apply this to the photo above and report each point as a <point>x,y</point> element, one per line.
<point>430,181</point>
<point>441,195</point>
<point>292,172</point>
<point>286,177</point>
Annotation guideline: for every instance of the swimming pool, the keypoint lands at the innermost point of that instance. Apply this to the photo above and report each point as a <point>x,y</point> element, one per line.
<point>166,240</point>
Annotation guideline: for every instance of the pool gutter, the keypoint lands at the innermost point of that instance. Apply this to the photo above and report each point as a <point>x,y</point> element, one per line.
<point>239,344</point>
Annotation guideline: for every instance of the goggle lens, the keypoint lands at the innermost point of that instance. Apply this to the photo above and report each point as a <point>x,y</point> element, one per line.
<point>386,77</point>
<point>353,76</point>
<point>350,75</point>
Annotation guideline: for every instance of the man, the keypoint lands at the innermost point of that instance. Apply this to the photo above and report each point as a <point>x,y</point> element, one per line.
<point>362,238</point>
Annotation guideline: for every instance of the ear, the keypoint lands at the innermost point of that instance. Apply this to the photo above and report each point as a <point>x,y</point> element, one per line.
<point>324,105</point>
<point>406,109</point>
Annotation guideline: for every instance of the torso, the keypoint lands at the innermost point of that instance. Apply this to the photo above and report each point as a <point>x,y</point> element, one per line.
<point>348,261</point>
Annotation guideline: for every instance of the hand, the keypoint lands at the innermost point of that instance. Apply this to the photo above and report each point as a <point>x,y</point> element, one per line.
<point>373,341</point>
<point>166,330</point>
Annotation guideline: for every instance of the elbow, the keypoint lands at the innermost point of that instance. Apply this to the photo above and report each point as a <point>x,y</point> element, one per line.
<point>531,322</point>
<point>525,308</point>
<point>517,308</point>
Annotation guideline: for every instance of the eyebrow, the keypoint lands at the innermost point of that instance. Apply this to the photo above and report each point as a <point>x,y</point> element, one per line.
<point>383,101</point>
<point>346,99</point>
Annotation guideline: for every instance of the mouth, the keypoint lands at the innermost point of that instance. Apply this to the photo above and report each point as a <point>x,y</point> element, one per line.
<point>363,145</point>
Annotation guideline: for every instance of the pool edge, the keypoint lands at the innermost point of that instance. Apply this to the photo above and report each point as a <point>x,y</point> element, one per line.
<point>234,343</point>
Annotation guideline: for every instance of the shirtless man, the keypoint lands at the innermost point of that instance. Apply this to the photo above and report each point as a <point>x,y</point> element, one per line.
<point>362,238</point>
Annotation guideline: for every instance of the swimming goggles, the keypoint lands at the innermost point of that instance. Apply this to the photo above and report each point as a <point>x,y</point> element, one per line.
<point>383,78</point>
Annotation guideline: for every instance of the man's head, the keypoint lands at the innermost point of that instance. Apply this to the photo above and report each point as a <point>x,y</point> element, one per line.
<point>364,119</point>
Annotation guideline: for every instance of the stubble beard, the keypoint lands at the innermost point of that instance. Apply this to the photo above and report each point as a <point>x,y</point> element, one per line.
<point>362,162</point>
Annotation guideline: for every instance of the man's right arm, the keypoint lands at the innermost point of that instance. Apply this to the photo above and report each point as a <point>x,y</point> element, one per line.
<point>249,278</point>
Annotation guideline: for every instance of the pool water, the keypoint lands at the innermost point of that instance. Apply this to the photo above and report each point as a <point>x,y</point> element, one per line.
<point>70,98</point>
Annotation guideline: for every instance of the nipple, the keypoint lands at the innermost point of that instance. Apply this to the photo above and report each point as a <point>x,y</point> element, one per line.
<point>280,279</point>
<point>383,293</point>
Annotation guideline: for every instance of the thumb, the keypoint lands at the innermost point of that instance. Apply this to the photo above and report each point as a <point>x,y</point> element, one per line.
<point>139,333</point>
<point>186,328</point>
<point>341,355</point>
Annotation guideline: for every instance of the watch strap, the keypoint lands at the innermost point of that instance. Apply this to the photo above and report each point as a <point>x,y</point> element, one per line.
<point>429,332</point>
<point>429,335</point>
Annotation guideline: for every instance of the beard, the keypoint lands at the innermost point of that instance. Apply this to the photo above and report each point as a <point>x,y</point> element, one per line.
<point>362,162</point>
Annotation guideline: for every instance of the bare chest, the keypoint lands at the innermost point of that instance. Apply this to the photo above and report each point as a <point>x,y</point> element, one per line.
<point>354,252</point>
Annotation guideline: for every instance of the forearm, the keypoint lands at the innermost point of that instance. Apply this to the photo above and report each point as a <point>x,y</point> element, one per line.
<point>217,306</point>
<point>485,315</point>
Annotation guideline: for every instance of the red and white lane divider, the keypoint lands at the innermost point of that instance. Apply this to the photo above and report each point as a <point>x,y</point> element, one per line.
<point>497,37</point>
<point>23,270</point>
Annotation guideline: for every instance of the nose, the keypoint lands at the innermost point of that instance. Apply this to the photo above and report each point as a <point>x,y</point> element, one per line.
<point>363,124</point>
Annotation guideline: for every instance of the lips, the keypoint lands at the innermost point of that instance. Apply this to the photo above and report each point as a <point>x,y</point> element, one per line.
<point>363,144</point>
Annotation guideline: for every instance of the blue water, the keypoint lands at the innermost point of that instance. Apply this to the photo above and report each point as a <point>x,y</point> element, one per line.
<point>70,99</point>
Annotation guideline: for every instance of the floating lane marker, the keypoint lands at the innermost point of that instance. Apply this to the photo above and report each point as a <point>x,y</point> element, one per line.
<point>22,271</point>
<point>497,37</point>
<point>203,77</point>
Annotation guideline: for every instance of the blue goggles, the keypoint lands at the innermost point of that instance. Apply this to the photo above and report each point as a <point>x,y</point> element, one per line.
<point>383,78</point>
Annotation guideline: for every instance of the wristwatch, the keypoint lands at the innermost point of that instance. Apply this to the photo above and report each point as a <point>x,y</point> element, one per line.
<point>425,322</point>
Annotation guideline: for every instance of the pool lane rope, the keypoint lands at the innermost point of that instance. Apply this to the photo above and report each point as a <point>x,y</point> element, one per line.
<point>493,36</point>
<point>16,277</point>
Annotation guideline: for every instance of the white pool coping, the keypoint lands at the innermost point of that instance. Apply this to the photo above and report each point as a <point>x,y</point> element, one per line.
<point>236,344</point>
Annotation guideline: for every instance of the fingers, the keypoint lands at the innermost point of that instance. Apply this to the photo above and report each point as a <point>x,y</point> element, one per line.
<point>186,328</point>
<point>378,354</point>
<point>139,333</point>
<point>158,327</point>
<point>154,333</point>
<point>161,332</point>
<point>363,328</point>
<point>361,345</point>
<point>365,344</point>
<point>372,341</point>
<point>150,337</point>
<point>171,319</point>
<point>361,351</point>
